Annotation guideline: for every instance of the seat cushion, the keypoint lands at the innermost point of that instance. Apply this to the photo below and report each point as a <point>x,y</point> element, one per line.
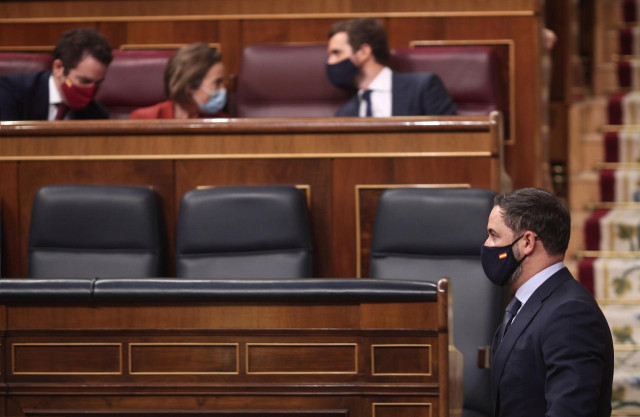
<point>249,232</point>
<point>96,231</point>
<point>286,81</point>
<point>134,79</point>
<point>22,62</point>
<point>470,74</point>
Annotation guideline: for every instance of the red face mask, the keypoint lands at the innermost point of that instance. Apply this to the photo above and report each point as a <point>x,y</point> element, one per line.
<point>78,97</point>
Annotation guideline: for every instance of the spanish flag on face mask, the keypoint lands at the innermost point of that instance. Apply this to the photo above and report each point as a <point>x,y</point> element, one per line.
<point>503,255</point>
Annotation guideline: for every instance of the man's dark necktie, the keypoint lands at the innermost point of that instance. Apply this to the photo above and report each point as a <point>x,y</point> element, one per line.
<point>366,97</point>
<point>62,111</point>
<point>509,314</point>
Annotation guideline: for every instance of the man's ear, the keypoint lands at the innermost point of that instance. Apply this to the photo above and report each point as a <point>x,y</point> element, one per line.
<point>529,239</point>
<point>57,68</point>
<point>363,53</point>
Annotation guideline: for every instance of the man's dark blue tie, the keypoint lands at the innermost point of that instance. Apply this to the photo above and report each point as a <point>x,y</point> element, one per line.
<point>366,97</point>
<point>509,314</point>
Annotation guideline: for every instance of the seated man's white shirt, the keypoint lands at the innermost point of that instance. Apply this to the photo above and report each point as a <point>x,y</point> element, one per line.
<point>54,99</point>
<point>380,95</point>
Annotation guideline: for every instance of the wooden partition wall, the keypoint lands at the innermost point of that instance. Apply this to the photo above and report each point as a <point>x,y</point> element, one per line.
<point>514,25</point>
<point>313,356</point>
<point>343,164</point>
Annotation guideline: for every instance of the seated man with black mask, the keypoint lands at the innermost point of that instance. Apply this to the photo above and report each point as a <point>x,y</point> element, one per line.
<point>80,62</point>
<point>358,58</point>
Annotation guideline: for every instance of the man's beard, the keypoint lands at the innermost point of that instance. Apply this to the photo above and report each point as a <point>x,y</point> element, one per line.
<point>516,274</point>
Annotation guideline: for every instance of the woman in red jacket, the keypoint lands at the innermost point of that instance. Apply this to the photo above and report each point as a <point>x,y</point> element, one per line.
<point>194,83</point>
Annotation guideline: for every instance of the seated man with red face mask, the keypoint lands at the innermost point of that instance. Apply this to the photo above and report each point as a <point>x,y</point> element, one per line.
<point>80,62</point>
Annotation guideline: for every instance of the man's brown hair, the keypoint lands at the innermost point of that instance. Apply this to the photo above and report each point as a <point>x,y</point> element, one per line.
<point>75,44</point>
<point>365,30</point>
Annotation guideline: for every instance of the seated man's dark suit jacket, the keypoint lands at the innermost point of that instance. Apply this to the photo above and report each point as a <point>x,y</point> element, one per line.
<point>556,358</point>
<point>412,94</point>
<point>26,97</point>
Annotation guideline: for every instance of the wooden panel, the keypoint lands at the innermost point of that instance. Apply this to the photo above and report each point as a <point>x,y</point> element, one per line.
<point>66,358</point>
<point>33,34</point>
<point>208,317</point>
<point>401,360</point>
<point>523,157</point>
<point>65,8</point>
<point>299,358</point>
<point>187,413</point>
<point>173,32</point>
<point>295,360</point>
<point>183,358</point>
<point>9,215</point>
<point>403,410</point>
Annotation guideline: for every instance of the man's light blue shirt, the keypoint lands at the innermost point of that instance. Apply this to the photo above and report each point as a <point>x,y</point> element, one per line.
<point>529,287</point>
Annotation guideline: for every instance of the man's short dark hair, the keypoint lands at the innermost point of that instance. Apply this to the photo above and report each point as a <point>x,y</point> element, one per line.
<point>75,44</point>
<point>365,30</point>
<point>540,212</point>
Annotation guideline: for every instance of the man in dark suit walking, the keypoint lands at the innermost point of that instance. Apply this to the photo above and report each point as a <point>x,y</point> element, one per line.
<point>553,353</point>
<point>80,61</point>
<point>358,58</point>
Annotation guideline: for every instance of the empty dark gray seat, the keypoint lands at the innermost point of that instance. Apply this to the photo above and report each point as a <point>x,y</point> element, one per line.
<point>96,231</point>
<point>424,234</point>
<point>244,232</point>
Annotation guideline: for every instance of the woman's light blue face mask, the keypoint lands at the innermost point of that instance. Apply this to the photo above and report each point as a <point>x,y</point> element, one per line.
<point>216,101</point>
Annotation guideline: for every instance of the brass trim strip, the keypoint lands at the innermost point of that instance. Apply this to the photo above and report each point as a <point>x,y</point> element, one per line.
<point>607,254</point>
<point>374,405</point>
<point>613,205</point>
<point>617,165</point>
<point>143,46</point>
<point>620,128</point>
<point>626,348</point>
<point>354,345</point>
<point>359,187</point>
<point>279,16</point>
<point>251,156</point>
<point>236,345</point>
<point>373,359</point>
<point>618,301</point>
<point>13,358</point>
<point>510,43</point>
<point>37,48</point>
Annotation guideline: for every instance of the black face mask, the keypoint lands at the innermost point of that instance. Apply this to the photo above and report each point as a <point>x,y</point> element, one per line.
<point>342,73</point>
<point>499,262</point>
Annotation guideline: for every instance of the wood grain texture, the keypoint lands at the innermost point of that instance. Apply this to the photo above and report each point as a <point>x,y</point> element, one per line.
<point>71,8</point>
<point>332,157</point>
<point>261,358</point>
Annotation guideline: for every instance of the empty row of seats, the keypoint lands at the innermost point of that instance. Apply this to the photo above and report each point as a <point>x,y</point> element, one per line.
<point>113,231</point>
<point>264,232</point>
<point>287,80</point>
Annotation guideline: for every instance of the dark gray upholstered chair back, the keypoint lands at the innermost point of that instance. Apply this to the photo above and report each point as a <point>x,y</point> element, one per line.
<point>244,232</point>
<point>96,231</point>
<point>424,234</point>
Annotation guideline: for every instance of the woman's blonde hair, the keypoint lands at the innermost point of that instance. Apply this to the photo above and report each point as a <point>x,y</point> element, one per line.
<point>186,70</point>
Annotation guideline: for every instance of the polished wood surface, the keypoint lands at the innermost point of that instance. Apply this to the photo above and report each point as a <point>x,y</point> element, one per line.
<point>335,159</point>
<point>235,25</point>
<point>247,358</point>
<point>81,8</point>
